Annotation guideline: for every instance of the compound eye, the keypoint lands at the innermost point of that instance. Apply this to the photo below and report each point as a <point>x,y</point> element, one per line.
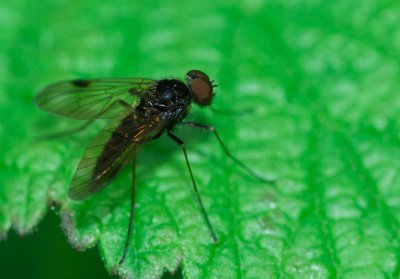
<point>200,86</point>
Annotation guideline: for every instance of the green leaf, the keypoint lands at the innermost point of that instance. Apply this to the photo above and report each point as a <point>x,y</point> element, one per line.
<point>321,80</point>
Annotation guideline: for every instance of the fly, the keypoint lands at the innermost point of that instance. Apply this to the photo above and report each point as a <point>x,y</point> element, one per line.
<point>139,110</point>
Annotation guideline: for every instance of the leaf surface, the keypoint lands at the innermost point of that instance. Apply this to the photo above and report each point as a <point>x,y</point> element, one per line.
<point>321,80</point>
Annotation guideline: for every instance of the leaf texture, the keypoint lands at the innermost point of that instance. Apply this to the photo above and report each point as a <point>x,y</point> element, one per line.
<point>321,80</point>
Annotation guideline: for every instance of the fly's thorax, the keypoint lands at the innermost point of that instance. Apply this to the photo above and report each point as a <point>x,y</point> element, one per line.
<point>167,101</point>
<point>168,95</point>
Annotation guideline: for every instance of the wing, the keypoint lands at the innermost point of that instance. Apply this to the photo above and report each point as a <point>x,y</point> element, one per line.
<point>92,98</point>
<point>115,146</point>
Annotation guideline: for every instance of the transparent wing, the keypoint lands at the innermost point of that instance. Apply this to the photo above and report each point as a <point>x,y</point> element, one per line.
<point>114,147</point>
<point>92,98</point>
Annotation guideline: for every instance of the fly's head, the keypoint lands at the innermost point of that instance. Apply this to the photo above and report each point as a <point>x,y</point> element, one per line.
<point>201,87</point>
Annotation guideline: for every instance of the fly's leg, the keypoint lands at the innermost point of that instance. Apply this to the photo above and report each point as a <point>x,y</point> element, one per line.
<point>128,235</point>
<point>227,152</point>
<point>157,136</point>
<point>203,211</point>
<point>127,106</point>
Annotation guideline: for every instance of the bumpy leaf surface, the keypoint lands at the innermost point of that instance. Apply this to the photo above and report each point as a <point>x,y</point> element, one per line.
<point>321,80</point>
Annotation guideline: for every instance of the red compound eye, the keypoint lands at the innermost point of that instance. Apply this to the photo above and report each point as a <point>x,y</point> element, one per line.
<point>200,86</point>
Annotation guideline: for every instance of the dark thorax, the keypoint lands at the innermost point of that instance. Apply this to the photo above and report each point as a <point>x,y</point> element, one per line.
<point>167,99</point>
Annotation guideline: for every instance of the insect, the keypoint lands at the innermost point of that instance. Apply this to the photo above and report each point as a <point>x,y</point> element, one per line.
<point>139,110</point>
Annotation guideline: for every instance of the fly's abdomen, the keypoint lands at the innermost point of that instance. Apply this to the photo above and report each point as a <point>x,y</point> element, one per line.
<point>124,143</point>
